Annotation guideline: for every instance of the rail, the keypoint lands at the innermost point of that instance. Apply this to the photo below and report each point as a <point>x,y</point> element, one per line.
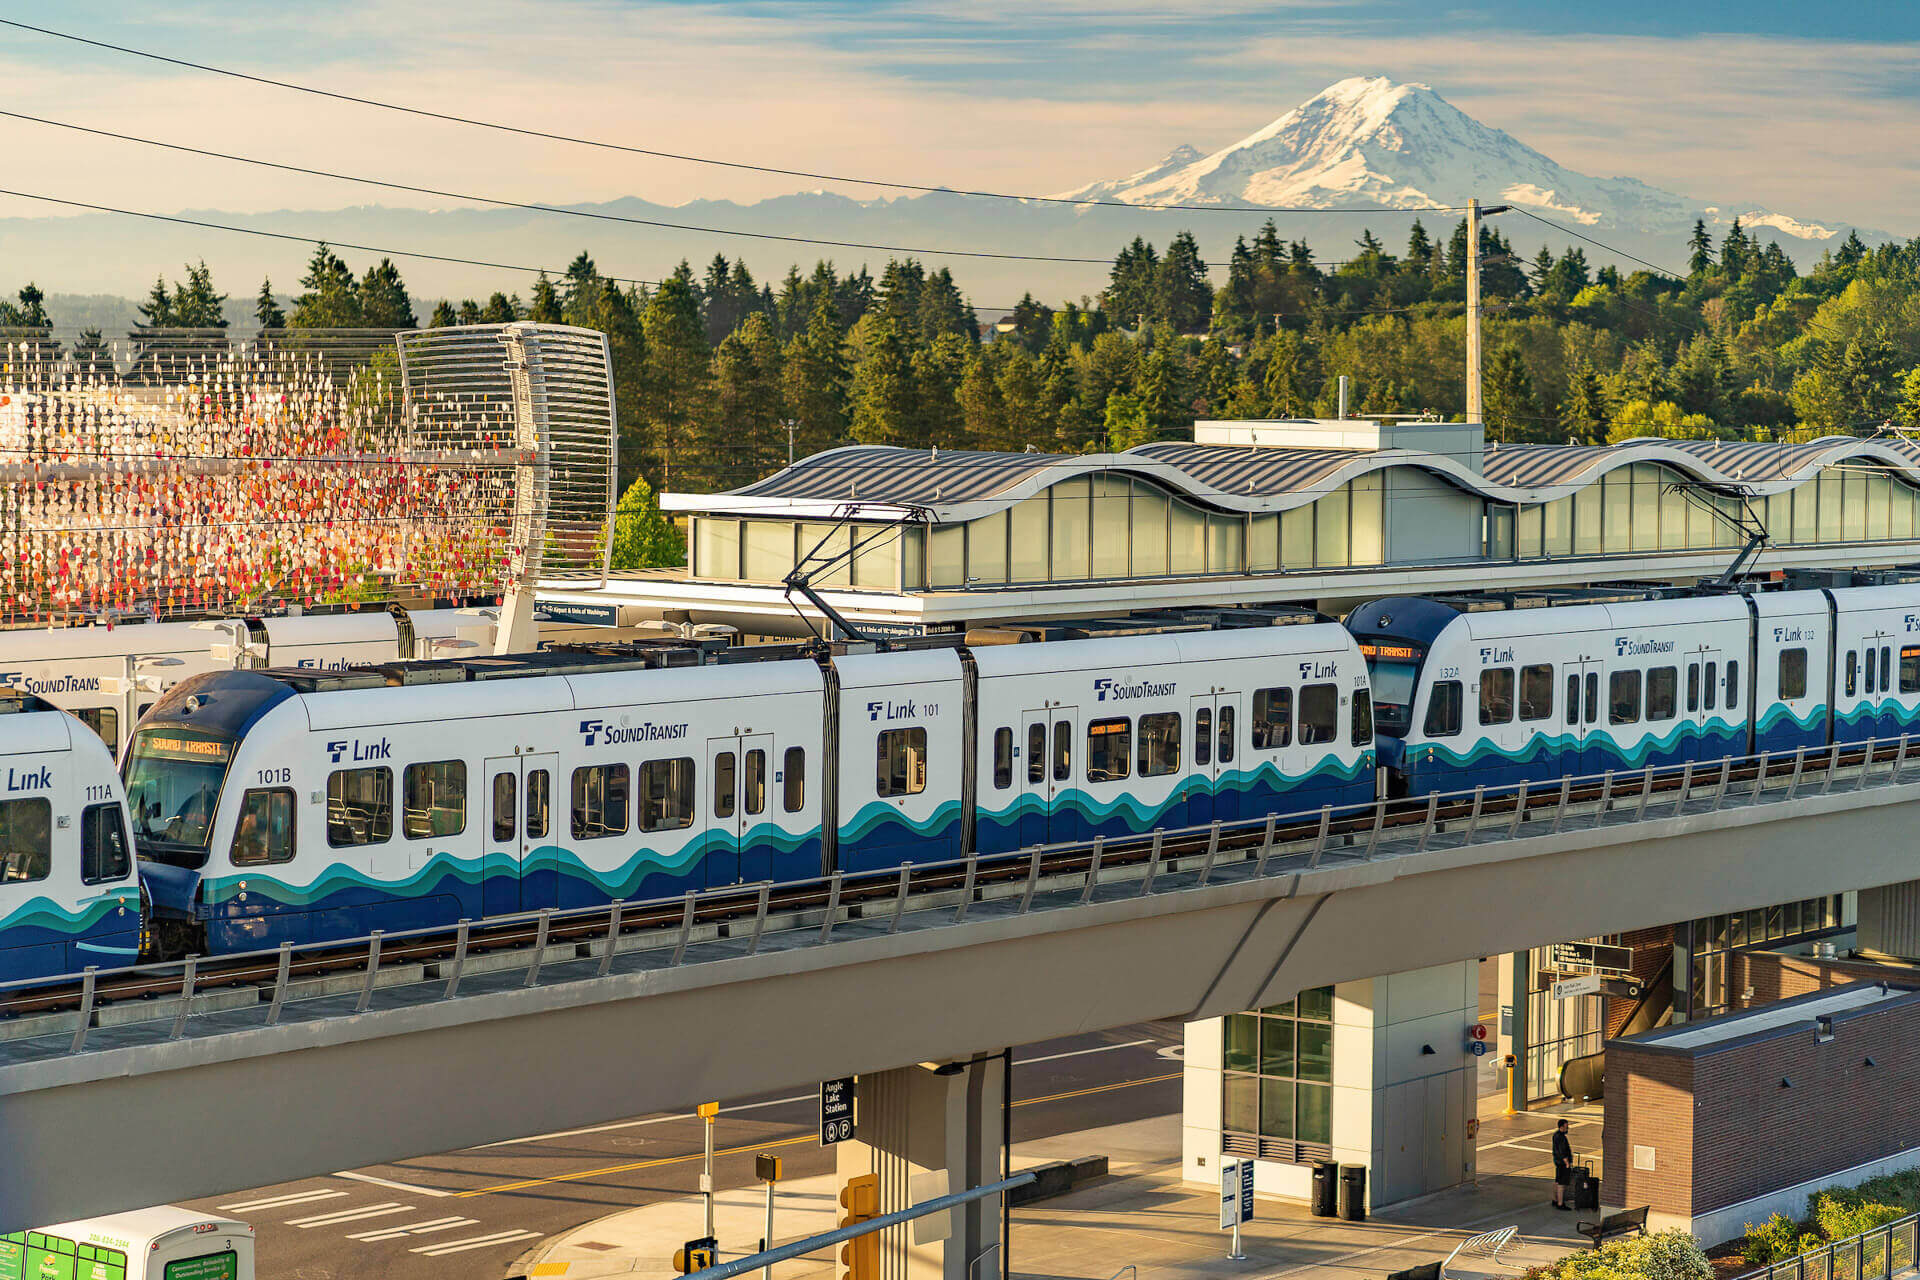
<point>155,1003</point>
<point>1878,1254</point>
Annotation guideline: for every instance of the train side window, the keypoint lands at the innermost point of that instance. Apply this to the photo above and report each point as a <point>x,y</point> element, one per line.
<point>1712,682</point>
<point>1062,750</point>
<point>1225,753</point>
<point>1853,672</point>
<point>504,804</point>
<point>538,802</point>
<point>1793,673</point>
<point>1733,685</point>
<point>753,783</point>
<point>1109,749</point>
<point>1870,672</point>
<point>104,844</point>
<point>1443,708</point>
<point>1002,759</point>
<point>599,801</point>
<point>1159,744</point>
<point>26,840</point>
<point>666,794</point>
<point>1272,718</point>
<point>1910,670</point>
<point>1496,695</point>
<point>104,721</point>
<point>723,785</point>
<point>901,761</point>
<point>1663,688</point>
<point>1203,736</point>
<point>1886,669</point>
<point>1623,697</point>
<point>1593,696</point>
<point>1573,698</point>
<point>264,835</point>
<point>1536,692</point>
<point>1036,753</point>
<point>359,807</point>
<point>1319,714</point>
<point>793,780</point>
<point>1693,686</point>
<point>1362,717</point>
<point>436,803</point>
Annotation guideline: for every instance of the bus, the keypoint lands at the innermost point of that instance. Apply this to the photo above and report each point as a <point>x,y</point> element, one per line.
<point>162,1243</point>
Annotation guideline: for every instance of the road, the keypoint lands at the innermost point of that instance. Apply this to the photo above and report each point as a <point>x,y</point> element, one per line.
<point>471,1213</point>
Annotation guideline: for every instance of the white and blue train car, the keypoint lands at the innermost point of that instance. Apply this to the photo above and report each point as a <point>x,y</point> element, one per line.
<point>1498,697</point>
<point>1792,692</point>
<point>900,759</point>
<point>68,894</point>
<point>1875,682</point>
<point>1119,735</point>
<point>282,806</point>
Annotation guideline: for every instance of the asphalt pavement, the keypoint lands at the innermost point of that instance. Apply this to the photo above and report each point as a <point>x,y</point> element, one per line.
<point>470,1213</point>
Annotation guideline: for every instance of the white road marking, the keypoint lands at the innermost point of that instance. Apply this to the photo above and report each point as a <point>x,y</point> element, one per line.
<point>394,1186</point>
<point>1075,1053</point>
<point>274,1202</point>
<point>351,1215</point>
<point>444,1248</point>
<point>428,1227</point>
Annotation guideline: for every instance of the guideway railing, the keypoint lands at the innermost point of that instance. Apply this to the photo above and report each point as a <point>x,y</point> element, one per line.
<point>199,996</point>
<point>1878,1254</point>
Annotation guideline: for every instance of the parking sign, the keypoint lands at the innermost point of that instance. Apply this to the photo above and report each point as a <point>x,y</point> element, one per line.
<point>836,1110</point>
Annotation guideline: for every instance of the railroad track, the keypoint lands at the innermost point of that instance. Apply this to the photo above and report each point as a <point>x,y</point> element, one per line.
<point>722,911</point>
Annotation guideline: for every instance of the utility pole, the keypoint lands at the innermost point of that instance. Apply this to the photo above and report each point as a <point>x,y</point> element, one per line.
<point>789,441</point>
<point>707,1111</point>
<point>1473,311</point>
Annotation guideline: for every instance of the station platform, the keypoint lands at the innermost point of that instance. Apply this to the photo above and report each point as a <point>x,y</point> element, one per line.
<point>1141,1215</point>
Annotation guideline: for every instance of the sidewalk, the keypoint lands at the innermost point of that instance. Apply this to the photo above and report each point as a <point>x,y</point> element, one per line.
<point>1141,1215</point>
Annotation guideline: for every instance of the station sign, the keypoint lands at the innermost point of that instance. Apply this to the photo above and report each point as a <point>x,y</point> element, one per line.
<point>836,1110</point>
<point>1589,957</point>
<point>1587,984</point>
<point>1236,1193</point>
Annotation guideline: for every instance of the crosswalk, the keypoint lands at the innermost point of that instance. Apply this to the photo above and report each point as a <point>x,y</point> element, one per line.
<point>377,1222</point>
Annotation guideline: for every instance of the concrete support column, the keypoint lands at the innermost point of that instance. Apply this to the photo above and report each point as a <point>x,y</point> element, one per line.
<point>1515,980</point>
<point>1682,971</point>
<point>927,1131</point>
<point>1889,919</point>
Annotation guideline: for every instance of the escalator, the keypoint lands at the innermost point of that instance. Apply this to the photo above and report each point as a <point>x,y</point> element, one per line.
<point>1584,1078</point>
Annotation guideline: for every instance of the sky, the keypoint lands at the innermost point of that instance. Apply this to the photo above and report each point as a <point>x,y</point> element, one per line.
<point>1812,110</point>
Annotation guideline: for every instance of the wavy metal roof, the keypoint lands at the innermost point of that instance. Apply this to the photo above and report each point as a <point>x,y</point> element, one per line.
<point>888,482</point>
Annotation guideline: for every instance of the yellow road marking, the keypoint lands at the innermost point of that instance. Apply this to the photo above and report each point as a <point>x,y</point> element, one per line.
<point>778,1142</point>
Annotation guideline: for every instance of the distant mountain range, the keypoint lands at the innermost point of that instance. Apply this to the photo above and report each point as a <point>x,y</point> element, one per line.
<point>1364,144</point>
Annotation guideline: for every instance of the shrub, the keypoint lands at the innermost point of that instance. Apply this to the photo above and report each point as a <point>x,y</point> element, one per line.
<point>1663,1255</point>
<point>1847,1211</point>
<point>1773,1240</point>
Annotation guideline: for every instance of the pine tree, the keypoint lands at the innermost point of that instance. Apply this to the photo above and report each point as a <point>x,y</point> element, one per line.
<point>1510,409</point>
<point>157,310</point>
<point>33,311</point>
<point>500,309</point>
<point>545,308</point>
<point>195,303</point>
<point>443,316</point>
<point>266,311</point>
<point>677,371</point>
<point>1700,250</point>
<point>1130,296</point>
<point>1419,248</point>
<point>1583,412</point>
<point>384,302</point>
<point>91,354</point>
<point>743,436</point>
<point>882,394</point>
<point>1736,252</point>
<point>1182,295</point>
<point>643,537</point>
<point>331,299</point>
<point>983,406</point>
<point>941,310</point>
<point>814,373</point>
<point>1032,323</point>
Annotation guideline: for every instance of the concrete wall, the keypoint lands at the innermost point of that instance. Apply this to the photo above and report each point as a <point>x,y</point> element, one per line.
<point>1397,1109</point>
<point>1428,519</point>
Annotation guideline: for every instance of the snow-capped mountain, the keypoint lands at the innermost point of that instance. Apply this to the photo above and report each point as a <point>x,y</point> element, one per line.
<point>1367,142</point>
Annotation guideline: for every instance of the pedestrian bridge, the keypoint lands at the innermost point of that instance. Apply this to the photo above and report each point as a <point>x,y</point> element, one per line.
<point>185,1082</point>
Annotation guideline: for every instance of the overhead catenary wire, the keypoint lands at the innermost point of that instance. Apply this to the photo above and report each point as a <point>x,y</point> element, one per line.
<point>601,144</point>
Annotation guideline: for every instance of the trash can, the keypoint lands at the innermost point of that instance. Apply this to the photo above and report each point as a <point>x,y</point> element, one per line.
<point>1353,1192</point>
<point>1326,1188</point>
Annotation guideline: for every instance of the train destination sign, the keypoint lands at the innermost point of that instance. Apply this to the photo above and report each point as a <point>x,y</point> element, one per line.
<point>836,1110</point>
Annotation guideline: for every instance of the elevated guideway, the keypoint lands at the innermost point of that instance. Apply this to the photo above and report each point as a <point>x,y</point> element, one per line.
<point>298,1074</point>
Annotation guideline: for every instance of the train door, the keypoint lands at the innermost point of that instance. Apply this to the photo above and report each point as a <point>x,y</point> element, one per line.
<point>1703,705</point>
<point>1210,794</point>
<point>738,845</point>
<point>1049,753</point>
<point>519,825</point>
<point>1585,754</point>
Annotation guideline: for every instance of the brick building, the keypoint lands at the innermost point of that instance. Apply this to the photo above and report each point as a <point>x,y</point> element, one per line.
<point>1719,1123</point>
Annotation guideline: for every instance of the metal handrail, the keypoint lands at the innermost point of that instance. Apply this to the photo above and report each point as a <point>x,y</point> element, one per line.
<point>1819,1264</point>
<point>1312,843</point>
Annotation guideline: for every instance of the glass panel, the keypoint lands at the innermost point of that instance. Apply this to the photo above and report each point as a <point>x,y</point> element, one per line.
<point>716,548</point>
<point>1002,759</point>
<point>1831,521</point>
<point>1559,527</point>
<point>599,801</point>
<point>1273,716</point>
<point>1673,520</point>
<point>106,852</point>
<point>1900,511</point>
<point>1062,750</point>
<point>1536,692</point>
<point>1319,714</point>
<point>1369,520</point>
<point>1037,752</point>
<point>900,767</point>
<point>537,804</point>
<point>1284,1009</point>
<point>1616,489</point>
<point>723,785</point>
<point>1330,543</point>
<point>1316,1004</point>
<point>987,549</point>
<point>666,794</point>
<point>1853,506</point>
<point>1586,522</point>
<point>1189,539</point>
<point>1203,736</point>
<point>1226,545</point>
<point>1149,531</point>
<point>1072,530</point>
<point>1109,750</point>
<point>947,555</point>
<point>1240,1104</point>
<point>1879,498</point>
<point>1276,1047</point>
<point>822,544</point>
<point>359,807</point>
<point>1263,544</point>
<point>913,559</point>
<point>1111,521</point>
<point>1496,695</point>
<point>436,799</point>
<point>1159,744</point>
<point>1242,1048</point>
<point>753,782</point>
<point>505,805</point>
<point>1806,511</point>
<point>1296,538</point>
<point>1315,1109</point>
<point>876,561</point>
<point>1315,1049</point>
<point>768,551</point>
<point>1527,541</point>
<point>1646,506</point>
<point>793,780</point>
<point>1276,1108</point>
<point>1030,537</point>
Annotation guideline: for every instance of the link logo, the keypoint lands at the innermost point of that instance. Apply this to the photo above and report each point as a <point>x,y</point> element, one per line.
<point>1913,624</point>
<point>1627,647</point>
<point>1318,670</point>
<point>357,751</point>
<point>1782,635</point>
<point>1494,653</point>
<point>598,733</point>
<point>891,710</point>
<point>1106,688</point>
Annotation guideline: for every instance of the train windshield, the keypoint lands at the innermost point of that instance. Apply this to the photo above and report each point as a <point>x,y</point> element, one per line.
<point>173,785</point>
<point>1394,669</point>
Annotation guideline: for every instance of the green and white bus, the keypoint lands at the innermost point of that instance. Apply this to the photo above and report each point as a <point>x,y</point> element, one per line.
<point>162,1243</point>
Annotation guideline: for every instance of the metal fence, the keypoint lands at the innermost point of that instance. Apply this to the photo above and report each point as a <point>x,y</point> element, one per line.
<point>192,998</point>
<point>1879,1254</point>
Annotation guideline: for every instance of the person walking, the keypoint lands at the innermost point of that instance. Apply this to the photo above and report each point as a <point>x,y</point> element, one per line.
<point>1562,1166</point>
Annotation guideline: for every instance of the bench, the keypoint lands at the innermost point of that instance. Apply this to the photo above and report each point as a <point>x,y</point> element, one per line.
<point>1487,1244</point>
<point>1623,1223</point>
<point>1425,1271</point>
